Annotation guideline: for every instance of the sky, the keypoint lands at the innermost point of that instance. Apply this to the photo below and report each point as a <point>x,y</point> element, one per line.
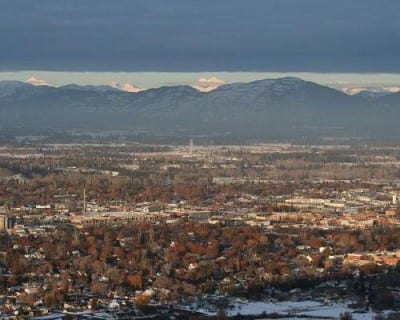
<point>102,40</point>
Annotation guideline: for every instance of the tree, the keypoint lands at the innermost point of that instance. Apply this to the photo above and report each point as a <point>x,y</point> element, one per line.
<point>346,316</point>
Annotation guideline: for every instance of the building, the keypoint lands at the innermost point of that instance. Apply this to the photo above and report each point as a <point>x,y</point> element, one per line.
<point>6,222</point>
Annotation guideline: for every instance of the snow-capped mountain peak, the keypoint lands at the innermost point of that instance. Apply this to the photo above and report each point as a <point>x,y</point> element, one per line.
<point>127,87</point>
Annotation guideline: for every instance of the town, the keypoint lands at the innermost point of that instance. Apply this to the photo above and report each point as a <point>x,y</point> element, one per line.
<point>130,230</point>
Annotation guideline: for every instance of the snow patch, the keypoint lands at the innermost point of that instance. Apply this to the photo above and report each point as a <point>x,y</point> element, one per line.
<point>38,82</point>
<point>208,84</point>
<point>127,87</point>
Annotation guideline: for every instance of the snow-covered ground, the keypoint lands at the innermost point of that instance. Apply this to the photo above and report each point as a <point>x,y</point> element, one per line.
<point>289,309</point>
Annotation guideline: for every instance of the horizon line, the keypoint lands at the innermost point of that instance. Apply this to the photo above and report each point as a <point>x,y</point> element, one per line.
<point>147,80</point>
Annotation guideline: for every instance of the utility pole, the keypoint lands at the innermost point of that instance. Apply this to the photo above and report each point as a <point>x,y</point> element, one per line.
<point>84,201</point>
<point>191,147</point>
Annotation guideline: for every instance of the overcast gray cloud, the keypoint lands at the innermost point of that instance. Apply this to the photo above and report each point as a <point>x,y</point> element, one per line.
<point>208,35</point>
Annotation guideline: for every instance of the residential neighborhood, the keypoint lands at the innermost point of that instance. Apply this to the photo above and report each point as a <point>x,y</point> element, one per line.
<point>152,231</point>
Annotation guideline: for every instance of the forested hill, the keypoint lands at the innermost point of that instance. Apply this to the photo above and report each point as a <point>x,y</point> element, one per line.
<point>270,108</point>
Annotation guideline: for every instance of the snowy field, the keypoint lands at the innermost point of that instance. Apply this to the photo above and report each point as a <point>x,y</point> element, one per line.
<point>291,310</point>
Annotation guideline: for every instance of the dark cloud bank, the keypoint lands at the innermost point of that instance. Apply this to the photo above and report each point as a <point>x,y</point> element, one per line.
<point>208,35</point>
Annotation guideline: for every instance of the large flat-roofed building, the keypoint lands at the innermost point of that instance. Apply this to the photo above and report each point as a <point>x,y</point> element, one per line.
<point>6,222</point>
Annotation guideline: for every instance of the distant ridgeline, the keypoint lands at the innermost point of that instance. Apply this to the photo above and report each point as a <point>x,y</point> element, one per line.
<point>287,107</point>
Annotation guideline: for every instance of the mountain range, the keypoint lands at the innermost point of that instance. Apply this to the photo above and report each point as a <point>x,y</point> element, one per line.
<point>282,107</point>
